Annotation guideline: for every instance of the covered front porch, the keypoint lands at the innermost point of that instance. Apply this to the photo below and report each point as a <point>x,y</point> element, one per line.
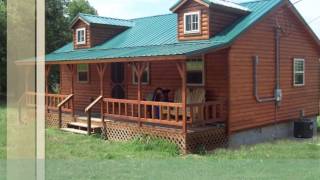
<point>187,109</point>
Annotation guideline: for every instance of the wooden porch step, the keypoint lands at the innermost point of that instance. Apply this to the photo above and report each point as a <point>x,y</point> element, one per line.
<point>75,131</point>
<point>83,125</point>
<point>84,118</point>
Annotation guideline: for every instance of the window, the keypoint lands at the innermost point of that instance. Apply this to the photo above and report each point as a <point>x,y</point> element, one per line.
<point>195,72</point>
<point>83,73</point>
<point>192,22</point>
<point>144,77</point>
<point>81,36</point>
<point>298,72</point>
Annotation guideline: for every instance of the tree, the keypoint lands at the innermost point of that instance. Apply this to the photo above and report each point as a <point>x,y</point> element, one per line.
<point>3,30</point>
<point>79,6</point>
<point>3,47</point>
<point>57,25</point>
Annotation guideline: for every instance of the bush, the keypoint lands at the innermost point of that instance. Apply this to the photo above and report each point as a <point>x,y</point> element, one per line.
<point>3,77</point>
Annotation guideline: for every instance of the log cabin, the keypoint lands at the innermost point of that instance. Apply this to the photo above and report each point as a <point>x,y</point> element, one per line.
<point>211,73</point>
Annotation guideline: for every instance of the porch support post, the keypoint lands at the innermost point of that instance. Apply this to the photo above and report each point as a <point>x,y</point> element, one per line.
<point>182,71</point>
<point>101,68</point>
<point>47,72</point>
<point>72,70</point>
<point>140,67</point>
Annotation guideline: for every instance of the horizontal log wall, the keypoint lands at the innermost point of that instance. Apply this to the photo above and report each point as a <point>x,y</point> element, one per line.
<point>84,92</point>
<point>162,74</point>
<point>296,42</point>
<point>95,34</point>
<point>220,20</point>
<point>77,25</point>
<point>192,6</point>
<point>100,34</point>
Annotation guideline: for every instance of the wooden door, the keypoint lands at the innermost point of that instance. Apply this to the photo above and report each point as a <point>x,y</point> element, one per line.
<point>118,80</point>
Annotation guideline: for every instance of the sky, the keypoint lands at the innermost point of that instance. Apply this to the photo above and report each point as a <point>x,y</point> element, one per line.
<point>129,9</point>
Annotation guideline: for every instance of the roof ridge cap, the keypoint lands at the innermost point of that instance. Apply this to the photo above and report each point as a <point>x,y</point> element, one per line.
<point>167,14</point>
<point>254,1</point>
<point>105,17</point>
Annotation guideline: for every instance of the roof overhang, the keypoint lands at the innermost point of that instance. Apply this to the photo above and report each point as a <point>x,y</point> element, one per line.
<point>76,19</point>
<point>182,2</point>
<point>131,59</point>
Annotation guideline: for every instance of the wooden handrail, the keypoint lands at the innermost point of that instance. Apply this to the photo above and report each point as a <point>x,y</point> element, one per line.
<point>65,100</point>
<point>96,101</point>
<point>88,110</point>
<point>60,105</point>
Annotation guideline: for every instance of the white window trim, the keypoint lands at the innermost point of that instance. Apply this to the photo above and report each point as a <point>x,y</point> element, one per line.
<point>294,71</point>
<point>88,74</point>
<point>203,74</point>
<point>84,39</point>
<point>199,22</point>
<point>133,75</point>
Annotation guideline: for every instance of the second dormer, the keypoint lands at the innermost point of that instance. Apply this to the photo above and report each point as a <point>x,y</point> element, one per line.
<point>90,30</point>
<point>202,19</point>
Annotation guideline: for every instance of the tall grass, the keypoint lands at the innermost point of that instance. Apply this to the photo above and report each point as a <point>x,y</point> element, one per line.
<point>3,131</point>
<point>61,145</point>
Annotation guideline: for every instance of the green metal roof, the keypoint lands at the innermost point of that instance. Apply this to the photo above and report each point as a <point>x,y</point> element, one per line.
<point>157,36</point>
<point>92,19</point>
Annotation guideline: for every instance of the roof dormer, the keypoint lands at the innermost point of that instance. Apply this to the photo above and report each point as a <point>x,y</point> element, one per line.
<point>91,30</point>
<point>202,19</point>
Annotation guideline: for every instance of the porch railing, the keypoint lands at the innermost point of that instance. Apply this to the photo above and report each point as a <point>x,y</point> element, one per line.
<point>143,111</point>
<point>53,101</point>
<point>58,102</point>
<point>165,113</point>
<point>160,113</point>
<point>207,112</point>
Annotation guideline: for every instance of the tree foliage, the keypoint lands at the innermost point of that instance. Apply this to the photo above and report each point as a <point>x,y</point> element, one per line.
<point>79,6</point>
<point>3,30</point>
<point>3,47</point>
<point>59,14</point>
<point>57,26</point>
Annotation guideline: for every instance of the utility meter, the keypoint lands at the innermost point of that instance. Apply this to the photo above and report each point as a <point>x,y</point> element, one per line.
<point>278,95</point>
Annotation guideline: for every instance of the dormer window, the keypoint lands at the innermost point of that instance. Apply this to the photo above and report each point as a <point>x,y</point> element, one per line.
<point>192,22</point>
<point>81,36</point>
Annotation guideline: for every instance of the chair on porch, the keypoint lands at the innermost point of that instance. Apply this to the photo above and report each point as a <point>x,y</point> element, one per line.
<point>194,96</point>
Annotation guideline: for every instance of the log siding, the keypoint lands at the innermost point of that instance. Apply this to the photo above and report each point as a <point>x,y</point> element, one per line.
<point>295,42</point>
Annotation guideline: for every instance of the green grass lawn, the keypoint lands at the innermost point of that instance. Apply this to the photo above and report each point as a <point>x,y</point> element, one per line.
<point>71,156</point>
<point>82,157</point>
<point>3,139</point>
<point>3,132</point>
<point>62,145</point>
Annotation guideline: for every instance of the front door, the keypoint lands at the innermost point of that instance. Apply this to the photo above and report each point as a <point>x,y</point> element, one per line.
<point>118,80</point>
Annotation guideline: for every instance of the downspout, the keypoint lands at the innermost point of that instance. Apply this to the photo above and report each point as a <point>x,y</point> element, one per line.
<point>255,83</point>
<point>277,92</point>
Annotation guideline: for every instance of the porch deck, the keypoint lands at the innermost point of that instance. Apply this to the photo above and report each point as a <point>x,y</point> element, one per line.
<point>204,125</point>
<point>198,125</point>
